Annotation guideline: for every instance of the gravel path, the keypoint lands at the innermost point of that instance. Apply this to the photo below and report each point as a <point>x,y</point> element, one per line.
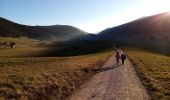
<point>117,83</point>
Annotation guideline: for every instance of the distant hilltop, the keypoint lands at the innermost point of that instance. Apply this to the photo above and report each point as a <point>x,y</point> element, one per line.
<point>156,27</point>
<point>53,32</point>
<point>151,32</point>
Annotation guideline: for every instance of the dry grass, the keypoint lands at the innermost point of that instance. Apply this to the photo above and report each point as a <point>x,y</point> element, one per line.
<point>154,70</point>
<point>25,75</point>
<point>24,47</point>
<point>45,78</point>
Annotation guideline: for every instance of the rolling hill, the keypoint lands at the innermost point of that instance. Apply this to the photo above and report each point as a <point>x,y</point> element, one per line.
<point>152,32</point>
<point>53,32</point>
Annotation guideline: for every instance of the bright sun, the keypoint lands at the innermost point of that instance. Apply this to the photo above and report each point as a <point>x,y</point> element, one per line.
<point>159,5</point>
<point>146,8</point>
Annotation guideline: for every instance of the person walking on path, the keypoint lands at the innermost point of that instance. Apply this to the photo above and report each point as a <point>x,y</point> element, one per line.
<point>117,57</point>
<point>123,58</point>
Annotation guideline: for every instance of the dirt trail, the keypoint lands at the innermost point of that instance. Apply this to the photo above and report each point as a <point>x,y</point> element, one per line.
<point>118,83</point>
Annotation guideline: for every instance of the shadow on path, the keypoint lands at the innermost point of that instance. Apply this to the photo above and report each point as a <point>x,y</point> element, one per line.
<point>105,68</point>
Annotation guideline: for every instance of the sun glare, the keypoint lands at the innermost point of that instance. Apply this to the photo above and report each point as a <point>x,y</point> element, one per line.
<point>160,5</point>
<point>148,8</point>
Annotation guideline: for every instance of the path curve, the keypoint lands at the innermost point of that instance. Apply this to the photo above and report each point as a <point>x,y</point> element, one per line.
<point>118,83</point>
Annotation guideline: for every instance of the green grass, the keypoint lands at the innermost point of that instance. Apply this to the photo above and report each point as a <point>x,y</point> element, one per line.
<point>154,70</point>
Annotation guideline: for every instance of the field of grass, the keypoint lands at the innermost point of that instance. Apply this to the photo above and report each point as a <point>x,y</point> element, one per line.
<point>45,78</point>
<point>24,47</point>
<point>154,70</point>
<point>35,48</point>
<point>24,75</point>
<point>72,48</point>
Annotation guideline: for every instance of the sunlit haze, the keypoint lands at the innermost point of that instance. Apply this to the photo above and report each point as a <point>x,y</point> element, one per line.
<point>89,15</point>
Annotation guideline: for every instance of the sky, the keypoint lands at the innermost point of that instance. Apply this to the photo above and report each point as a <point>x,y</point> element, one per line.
<point>89,15</point>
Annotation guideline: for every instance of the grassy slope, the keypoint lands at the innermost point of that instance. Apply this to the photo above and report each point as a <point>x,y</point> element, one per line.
<point>154,70</point>
<point>45,78</point>
<point>42,78</point>
<point>59,32</point>
<point>32,48</point>
<point>24,47</point>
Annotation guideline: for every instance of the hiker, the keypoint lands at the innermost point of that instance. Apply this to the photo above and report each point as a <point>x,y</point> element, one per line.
<point>123,57</point>
<point>117,58</point>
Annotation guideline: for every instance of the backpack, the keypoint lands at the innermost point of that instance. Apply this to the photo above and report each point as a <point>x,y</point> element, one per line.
<point>123,56</point>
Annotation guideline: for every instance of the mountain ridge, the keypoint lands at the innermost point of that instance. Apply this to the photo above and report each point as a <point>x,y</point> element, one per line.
<point>151,32</point>
<point>52,32</point>
<point>149,26</point>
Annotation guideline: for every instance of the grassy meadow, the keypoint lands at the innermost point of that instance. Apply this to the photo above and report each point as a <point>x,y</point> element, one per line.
<point>154,71</point>
<point>24,75</point>
<point>24,47</point>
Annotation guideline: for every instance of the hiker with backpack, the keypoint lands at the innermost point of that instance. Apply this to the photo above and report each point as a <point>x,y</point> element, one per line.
<point>123,58</point>
<point>117,56</point>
